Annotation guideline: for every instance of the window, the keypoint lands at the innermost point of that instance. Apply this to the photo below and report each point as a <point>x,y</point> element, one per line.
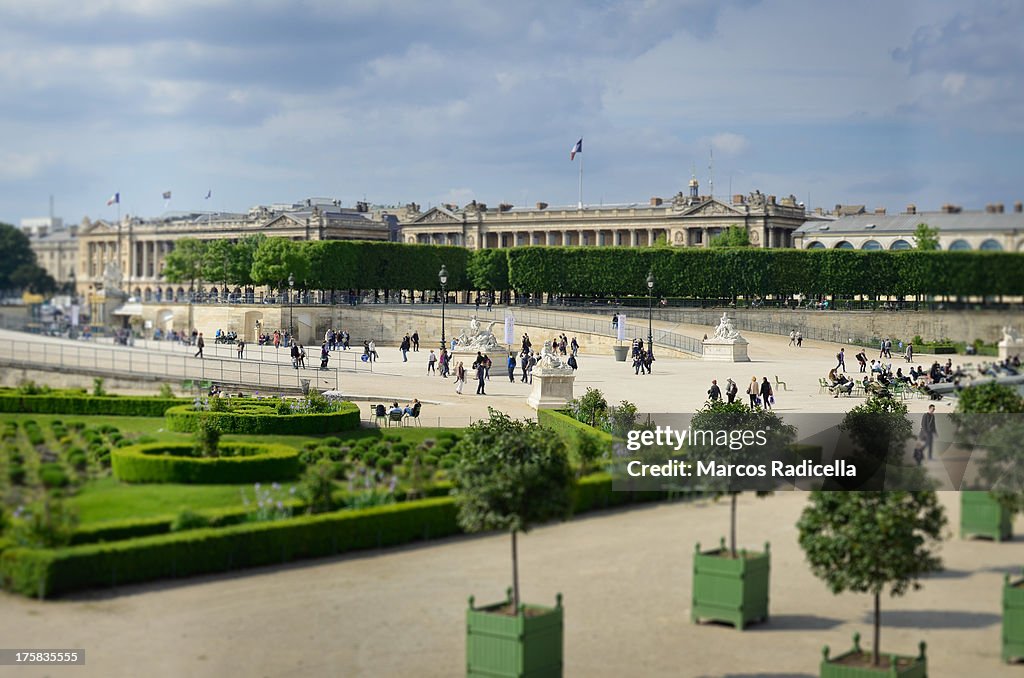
<point>991,245</point>
<point>844,245</point>
<point>959,246</point>
<point>816,246</point>
<point>871,245</point>
<point>900,245</point>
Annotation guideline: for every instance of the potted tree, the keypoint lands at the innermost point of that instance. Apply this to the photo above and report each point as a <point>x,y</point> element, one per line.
<point>512,475</point>
<point>731,585</point>
<point>984,420</point>
<point>896,533</point>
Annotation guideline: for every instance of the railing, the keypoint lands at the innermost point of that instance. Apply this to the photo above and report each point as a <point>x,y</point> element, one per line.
<point>272,369</point>
<point>566,322</point>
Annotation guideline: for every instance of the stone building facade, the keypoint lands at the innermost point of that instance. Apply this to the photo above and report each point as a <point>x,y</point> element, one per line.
<point>683,221</point>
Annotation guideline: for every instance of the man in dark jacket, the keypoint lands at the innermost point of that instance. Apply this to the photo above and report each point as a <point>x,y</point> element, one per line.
<point>481,372</point>
<point>200,344</point>
<point>766,394</point>
<point>714,393</point>
<point>928,429</point>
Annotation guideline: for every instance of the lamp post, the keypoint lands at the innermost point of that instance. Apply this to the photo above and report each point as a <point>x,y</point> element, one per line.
<point>443,277</point>
<point>650,331</point>
<point>291,316</point>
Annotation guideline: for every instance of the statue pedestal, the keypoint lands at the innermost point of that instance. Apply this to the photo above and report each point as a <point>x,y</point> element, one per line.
<point>726,350</point>
<point>552,388</point>
<point>1010,347</point>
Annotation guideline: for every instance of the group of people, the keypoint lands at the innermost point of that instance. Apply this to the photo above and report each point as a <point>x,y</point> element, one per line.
<point>761,394</point>
<point>796,338</point>
<point>409,343</point>
<point>336,340</point>
<point>643,357</point>
<point>879,376</point>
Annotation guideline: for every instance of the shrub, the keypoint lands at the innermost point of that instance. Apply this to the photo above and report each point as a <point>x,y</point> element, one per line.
<point>29,387</point>
<point>185,418</point>
<point>45,525</point>
<point>76,457</point>
<point>53,476</point>
<point>333,441</point>
<point>170,463</point>
<point>270,502</point>
<point>207,437</point>
<point>16,474</point>
<point>317,486</point>
<point>220,404</point>
<point>97,387</point>
<point>66,403</point>
<point>166,391</point>
<point>284,408</point>
<point>189,520</point>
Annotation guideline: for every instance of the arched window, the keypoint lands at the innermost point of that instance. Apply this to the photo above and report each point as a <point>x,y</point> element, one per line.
<point>816,246</point>
<point>959,246</point>
<point>844,245</point>
<point>871,245</point>
<point>147,294</point>
<point>991,245</point>
<point>900,245</point>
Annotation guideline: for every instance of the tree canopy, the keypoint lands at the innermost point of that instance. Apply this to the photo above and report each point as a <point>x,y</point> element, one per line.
<point>734,236</point>
<point>926,238</point>
<point>19,268</point>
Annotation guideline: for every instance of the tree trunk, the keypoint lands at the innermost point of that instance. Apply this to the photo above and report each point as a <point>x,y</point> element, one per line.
<point>732,525</point>
<point>875,653</point>
<point>515,574</point>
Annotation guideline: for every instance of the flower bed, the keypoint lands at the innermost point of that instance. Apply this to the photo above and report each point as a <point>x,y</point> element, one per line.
<point>175,463</point>
<point>252,417</point>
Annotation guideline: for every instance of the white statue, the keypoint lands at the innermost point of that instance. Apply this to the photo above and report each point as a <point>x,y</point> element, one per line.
<point>111,278</point>
<point>474,338</point>
<point>725,329</point>
<point>549,360</point>
<point>1011,335</point>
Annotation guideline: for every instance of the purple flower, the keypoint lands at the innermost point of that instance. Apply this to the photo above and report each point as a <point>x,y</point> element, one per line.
<point>257,486</point>
<point>291,490</point>
<point>280,506</point>
<point>276,486</point>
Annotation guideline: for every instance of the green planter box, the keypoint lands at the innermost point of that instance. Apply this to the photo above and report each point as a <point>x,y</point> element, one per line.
<point>898,666</point>
<point>981,515</point>
<point>525,645</point>
<point>1013,619</point>
<point>733,590</point>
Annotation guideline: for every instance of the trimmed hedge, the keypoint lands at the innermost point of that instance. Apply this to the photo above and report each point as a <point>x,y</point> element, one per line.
<point>52,572</point>
<point>125,406</point>
<point>571,430</point>
<point>184,418</point>
<point>171,463</point>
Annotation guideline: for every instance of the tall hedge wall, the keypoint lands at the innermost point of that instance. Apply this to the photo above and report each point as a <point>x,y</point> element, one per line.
<point>184,418</point>
<point>130,406</point>
<point>720,273</point>
<point>52,572</point>
<point>340,264</point>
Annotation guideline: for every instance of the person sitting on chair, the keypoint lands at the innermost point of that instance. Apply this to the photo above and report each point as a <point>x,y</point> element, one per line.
<point>411,407</point>
<point>395,409</point>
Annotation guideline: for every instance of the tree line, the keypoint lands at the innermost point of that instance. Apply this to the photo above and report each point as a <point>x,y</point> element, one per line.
<point>595,271</point>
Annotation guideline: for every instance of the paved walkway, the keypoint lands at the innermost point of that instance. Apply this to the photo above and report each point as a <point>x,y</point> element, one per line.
<point>626,577</point>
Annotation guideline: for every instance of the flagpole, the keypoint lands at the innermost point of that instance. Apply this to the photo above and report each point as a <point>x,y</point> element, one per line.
<point>579,205</point>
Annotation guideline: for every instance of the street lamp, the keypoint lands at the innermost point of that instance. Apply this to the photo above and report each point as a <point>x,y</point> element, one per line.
<point>650,332</point>
<point>291,317</point>
<point>443,277</point>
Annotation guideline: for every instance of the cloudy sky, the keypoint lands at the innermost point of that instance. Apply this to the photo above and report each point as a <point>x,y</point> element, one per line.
<point>261,101</point>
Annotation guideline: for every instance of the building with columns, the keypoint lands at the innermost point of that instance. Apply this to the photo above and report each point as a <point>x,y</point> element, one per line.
<point>139,246</point>
<point>993,229</point>
<point>55,245</point>
<point>683,221</point>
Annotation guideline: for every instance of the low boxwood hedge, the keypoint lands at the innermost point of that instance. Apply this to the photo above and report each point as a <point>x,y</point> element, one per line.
<point>52,572</point>
<point>260,420</point>
<point>126,406</point>
<point>172,463</point>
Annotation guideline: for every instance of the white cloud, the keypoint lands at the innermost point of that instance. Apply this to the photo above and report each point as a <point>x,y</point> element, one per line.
<point>729,143</point>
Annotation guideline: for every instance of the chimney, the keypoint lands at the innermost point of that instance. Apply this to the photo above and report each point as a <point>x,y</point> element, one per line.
<point>955,209</point>
<point>911,209</point>
<point>482,206</point>
<point>999,208</point>
<point>737,199</point>
<point>504,207</point>
<point>1018,207</point>
<point>655,201</point>
<point>838,209</point>
<point>542,205</point>
<point>819,211</point>
<point>880,211</point>
<point>771,199</point>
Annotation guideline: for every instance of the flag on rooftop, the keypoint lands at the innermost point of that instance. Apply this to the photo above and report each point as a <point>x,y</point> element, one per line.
<point>167,195</point>
<point>209,192</point>
<point>577,148</point>
<point>114,199</point>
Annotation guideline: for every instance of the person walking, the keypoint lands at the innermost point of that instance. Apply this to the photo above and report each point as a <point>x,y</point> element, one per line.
<point>325,355</point>
<point>530,364</point>
<point>752,391</point>
<point>888,349</point>
<point>302,356</point>
<point>714,393</point>
<point>199,344</point>
<point>766,394</point>
<point>404,348</point>
<point>571,362</point>
<point>841,357</point>
<point>487,366</point>
<point>525,362</point>
<point>460,378</point>
<point>415,342</point>
<point>277,338</point>
<point>344,340</point>
<point>862,359</point>
<point>373,351</point>
<point>799,339</point>
<point>444,363</point>
<point>511,368</point>
<point>295,356</point>
<point>574,346</point>
<point>909,355</point>
<point>481,373</point>
<point>431,362</point>
<point>928,429</point>
<point>241,348</point>
<point>490,303</point>
<point>731,389</point>
<point>792,337</point>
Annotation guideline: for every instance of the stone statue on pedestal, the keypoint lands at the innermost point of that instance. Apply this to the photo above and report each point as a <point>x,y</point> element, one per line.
<point>474,338</point>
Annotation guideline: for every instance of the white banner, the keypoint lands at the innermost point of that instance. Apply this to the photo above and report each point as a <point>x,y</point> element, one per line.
<point>74,315</point>
<point>622,327</point>
<point>510,328</point>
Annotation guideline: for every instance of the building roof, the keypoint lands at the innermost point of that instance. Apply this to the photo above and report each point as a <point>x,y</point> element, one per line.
<point>907,223</point>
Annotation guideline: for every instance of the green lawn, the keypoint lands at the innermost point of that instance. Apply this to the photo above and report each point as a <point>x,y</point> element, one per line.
<point>107,499</point>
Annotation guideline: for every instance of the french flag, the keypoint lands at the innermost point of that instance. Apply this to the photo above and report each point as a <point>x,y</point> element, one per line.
<point>114,199</point>
<point>577,148</point>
